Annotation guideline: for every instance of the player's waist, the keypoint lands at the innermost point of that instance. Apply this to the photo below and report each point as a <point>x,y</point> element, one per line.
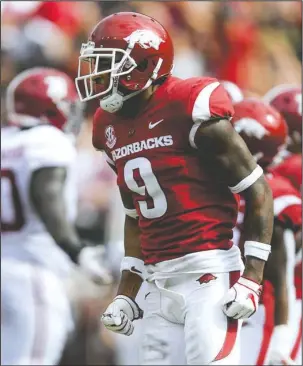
<point>37,248</point>
<point>216,260</point>
<point>189,228</point>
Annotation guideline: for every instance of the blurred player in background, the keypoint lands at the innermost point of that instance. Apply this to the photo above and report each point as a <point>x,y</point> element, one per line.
<point>288,100</point>
<point>178,162</point>
<point>39,245</point>
<point>266,336</point>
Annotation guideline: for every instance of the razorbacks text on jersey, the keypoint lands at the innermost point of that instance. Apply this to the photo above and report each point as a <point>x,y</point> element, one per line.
<point>23,152</point>
<point>182,208</point>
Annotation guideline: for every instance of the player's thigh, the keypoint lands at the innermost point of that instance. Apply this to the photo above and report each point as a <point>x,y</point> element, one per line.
<point>56,321</point>
<point>36,317</point>
<point>162,341</point>
<point>296,352</point>
<point>253,338</point>
<point>128,348</point>
<point>17,312</point>
<point>211,337</point>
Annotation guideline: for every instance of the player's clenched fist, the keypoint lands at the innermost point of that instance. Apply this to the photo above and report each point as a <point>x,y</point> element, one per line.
<point>119,315</point>
<point>242,300</point>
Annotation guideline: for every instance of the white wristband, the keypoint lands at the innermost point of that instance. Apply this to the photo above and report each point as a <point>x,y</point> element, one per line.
<point>134,265</point>
<point>131,212</point>
<point>256,249</point>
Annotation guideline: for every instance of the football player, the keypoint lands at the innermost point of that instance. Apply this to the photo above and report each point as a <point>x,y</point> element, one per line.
<point>288,101</point>
<point>179,164</point>
<point>39,245</point>
<point>266,336</point>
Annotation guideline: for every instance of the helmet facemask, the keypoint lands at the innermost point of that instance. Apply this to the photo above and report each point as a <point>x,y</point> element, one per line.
<point>74,118</point>
<point>120,63</point>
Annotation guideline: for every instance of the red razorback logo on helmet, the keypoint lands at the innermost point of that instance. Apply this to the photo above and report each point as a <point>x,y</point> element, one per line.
<point>207,277</point>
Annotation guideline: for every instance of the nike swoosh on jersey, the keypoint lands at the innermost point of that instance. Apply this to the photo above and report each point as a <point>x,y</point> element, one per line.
<point>152,125</point>
<point>134,269</point>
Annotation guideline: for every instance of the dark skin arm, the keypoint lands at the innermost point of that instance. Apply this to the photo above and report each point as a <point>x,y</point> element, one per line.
<point>275,272</point>
<point>298,239</point>
<point>130,282</point>
<point>223,148</point>
<point>47,196</point>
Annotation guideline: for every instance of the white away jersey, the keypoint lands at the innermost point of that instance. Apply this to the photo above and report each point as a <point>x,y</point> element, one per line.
<point>22,153</point>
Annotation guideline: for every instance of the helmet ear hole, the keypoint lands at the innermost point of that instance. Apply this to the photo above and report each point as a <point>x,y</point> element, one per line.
<point>50,113</point>
<point>142,66</point>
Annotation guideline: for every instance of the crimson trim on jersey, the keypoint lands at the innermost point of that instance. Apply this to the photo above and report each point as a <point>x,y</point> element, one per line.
<point>201,110</point>
<point>108,159</point>
<point>248,181</point>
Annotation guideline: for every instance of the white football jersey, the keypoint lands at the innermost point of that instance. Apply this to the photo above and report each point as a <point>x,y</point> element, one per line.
<point>22,153</point>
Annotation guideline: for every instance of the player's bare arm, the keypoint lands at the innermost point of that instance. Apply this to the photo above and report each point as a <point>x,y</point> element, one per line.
<point>130,282</point>
<point>119,315</point>
<point>298,239</point>
<point>47,195</point>
<point>225,149</point>
<point>275,272</point>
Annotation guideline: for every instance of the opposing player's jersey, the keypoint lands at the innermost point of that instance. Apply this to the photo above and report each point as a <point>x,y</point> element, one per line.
<point>182,207</point>
<point>22,153</point>
<point>291,169</point>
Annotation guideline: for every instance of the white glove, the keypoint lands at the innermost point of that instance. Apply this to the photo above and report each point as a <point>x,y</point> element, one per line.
<point>242,300</point>
<point>279,349</point>
<point>119,315</point>
<point>91,261</point>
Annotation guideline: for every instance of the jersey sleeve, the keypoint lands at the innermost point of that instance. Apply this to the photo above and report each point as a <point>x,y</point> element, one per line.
<point>291,169</point>
<point>47,146</point>
<point>208,100</point>
<point>288,211</point>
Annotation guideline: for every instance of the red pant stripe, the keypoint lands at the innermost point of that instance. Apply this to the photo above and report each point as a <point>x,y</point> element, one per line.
<point>295,350</point>
<point>268,328</point>
<point>232,325</point>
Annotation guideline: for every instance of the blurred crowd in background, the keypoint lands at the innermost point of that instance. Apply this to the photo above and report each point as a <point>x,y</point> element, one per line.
<point>256,45</point>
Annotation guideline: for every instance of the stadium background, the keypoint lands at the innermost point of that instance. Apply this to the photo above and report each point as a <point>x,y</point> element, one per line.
<point>256,45</point>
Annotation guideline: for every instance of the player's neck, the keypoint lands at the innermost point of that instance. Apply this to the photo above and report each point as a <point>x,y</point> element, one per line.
<point>135,105</point>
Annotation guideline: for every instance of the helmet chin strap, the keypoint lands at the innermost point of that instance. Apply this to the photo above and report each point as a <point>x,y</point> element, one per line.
<point>114,102</point>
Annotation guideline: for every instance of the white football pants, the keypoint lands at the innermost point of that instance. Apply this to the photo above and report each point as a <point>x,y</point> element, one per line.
<point>296,341</point>
<point>184,323</point>
<point>35,314</point>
